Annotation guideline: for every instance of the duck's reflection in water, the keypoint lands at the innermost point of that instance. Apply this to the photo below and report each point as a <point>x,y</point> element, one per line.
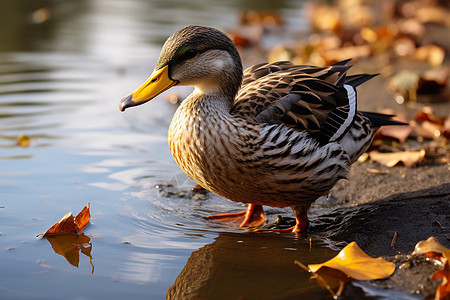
<point>251,266</point>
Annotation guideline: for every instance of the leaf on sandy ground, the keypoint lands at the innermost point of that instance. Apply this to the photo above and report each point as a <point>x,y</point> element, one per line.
<point>430,245</point>
<point>70,225</point>
<point>408,158</point>
<point>435,250</point>
<point>355,263</point>
<point>400,133</point>
<point>427,125</point>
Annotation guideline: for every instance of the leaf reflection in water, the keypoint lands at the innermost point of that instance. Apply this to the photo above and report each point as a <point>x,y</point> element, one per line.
<point>70,246</point>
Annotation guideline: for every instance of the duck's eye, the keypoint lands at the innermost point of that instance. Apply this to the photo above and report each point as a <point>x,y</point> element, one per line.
<point>190,53</point>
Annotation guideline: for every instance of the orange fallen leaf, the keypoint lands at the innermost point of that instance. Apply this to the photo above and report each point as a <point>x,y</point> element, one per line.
<point>83,217</point>
<point>408,158</point>
<point>426,113</point>
<point>355,263</point>
<point>443,290</point>
<point>435,250</point>
<point>70,225</point>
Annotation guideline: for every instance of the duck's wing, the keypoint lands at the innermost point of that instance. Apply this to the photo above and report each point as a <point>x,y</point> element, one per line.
<point>320,100</point>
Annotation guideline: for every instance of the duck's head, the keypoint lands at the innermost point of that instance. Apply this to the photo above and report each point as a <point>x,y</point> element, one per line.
<point>198,56</point>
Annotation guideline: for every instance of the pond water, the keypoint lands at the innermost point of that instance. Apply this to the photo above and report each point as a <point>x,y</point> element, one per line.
<point>64,66</point>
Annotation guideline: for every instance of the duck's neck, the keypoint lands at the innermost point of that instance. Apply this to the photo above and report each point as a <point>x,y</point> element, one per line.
<point>211,102</point>
<point>200,112</point>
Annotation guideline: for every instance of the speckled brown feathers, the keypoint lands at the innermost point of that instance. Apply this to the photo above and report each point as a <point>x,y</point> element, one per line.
<point>305,98</point>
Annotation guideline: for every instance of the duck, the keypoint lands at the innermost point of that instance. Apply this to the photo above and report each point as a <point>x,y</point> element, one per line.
<point>276,134</point>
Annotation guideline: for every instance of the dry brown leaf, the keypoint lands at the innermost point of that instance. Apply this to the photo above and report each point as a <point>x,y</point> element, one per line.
<point>355,263</point>
<point>430,245</point>
<point>426,113</point>
<point>69,225</point>
<point>433,129</point>
<point>400,133</point>
<point>408,158</point>
<point>65,226</point>
<point>83,217</point>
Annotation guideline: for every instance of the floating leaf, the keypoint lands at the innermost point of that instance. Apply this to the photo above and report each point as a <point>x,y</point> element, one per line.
<point>23,141</point>
<point>430,245</point>
<point>355,263</point>
<point>64,226</point>
<point>66,237</point>
<point>70,225</point>
<point>408,158</point>
<point>83,217</point>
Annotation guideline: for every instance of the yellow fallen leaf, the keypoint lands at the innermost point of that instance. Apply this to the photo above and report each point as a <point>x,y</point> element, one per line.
<point>355,263</point>
<point>408,158</point>
<point>430,245</point>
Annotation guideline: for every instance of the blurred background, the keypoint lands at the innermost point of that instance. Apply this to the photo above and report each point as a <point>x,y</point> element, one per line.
<point>65,65</point>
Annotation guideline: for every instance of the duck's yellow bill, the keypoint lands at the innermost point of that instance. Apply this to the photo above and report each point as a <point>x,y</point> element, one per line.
<point>157,83</point>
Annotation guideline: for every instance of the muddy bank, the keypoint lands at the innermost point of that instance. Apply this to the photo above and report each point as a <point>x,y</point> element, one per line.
<point>387,214</point>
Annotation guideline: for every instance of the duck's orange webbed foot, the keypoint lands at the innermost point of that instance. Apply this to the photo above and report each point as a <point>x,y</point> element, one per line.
<point>301,223</point>
<point>252,217</point>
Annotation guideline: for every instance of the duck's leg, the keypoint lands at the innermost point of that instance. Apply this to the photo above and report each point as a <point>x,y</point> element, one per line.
<point>252,217</point>
<point>301,221</point>
<point>301,218</point>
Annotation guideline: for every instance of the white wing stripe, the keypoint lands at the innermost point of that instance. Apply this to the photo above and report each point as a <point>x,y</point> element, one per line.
<point>351,95</point>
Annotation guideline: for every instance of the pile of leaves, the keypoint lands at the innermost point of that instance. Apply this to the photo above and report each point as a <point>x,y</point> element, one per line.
<point>352,263</point>
<point>424,141</point>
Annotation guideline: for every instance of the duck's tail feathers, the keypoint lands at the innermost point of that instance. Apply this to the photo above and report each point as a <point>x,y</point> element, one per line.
<point>355,80</point>
<point>379,120</point>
